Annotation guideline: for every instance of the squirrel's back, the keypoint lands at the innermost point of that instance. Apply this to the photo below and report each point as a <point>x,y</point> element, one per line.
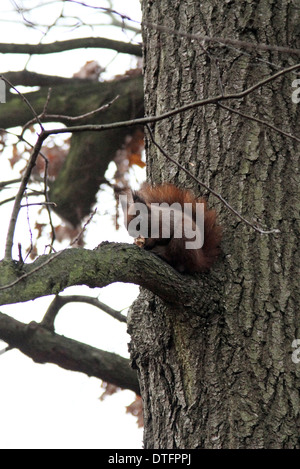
<point>173,250</point>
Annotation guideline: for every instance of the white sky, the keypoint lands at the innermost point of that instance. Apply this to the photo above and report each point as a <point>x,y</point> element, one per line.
<point>43,406</point>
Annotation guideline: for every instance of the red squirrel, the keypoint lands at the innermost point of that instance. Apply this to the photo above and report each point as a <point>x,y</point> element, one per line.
<point>172,247</point>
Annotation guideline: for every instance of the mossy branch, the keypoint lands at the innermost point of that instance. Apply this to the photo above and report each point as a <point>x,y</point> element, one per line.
<point>109,263</point>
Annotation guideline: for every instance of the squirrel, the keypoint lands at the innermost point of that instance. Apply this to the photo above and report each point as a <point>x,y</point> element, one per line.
<point>169,200</point>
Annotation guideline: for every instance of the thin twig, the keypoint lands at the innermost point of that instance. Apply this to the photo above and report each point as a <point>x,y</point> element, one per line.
<point>11,199</point>
<point>87,114</point>
<point>45,178</point>
<point>7,183</point>
<point>57,254</point>
<point>20,253</point>
<point>36,269</point>
<point>47,203</point>
<point>47,101</point>
<point>62,117</point>
<point>187,107</point>
<point>53,204</point>
<point>29,227</point>
<point>115,125</point>
<point>25,178</point>
<point>84,227</point>
<point>60,301</point>
<point>212,191</point>
<point>19,196</point>
<point>260,121</point>
<point>24,99</point>
<point>223,40</point>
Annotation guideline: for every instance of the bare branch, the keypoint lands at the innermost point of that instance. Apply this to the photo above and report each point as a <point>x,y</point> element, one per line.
<point>19,196</point>
<point>44,346</point>
<point>224,41</point>
<point>24,99</point>
<point>47,197</point>
<point>45,192</point>
<point>55,255</point>
<point>46,133</point>
<point>187,107</point>
<point>60,301</point>
<point>120,24</point>
<point>87,114</point>
<point>144,121</point>
<point>104,9</point>
<point>77,238</point>
<point>61,117</point>
<point>51,204</point>
<point>71,44</point>
<point>11,199</point>
<point>29,78</point>
<point>29,228</point>
<point>260,121</point>
<point>8,183</point>
<point>109,263</point>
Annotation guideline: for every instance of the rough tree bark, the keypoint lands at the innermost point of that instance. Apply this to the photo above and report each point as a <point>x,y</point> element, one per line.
<point>213,353</point>
<point>220,375</point>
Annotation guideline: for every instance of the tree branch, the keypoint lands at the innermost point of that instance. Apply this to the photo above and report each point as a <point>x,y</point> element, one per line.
<point>260,121</point>
<point>70,44</point>
<point>60,301</point>
<point>44,346</point>
<point>19,196</point>
<point>28,78</point>
<point>224,40</point>
<point>28,104</point>
<point>173,112</point>
<point>108,263</point>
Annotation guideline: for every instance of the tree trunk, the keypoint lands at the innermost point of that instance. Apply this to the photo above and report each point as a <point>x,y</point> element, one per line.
<point>222,376</point>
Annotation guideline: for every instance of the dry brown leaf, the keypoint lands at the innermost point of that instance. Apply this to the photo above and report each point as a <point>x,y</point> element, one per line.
<point>136,409</point>
<point>110,389</point>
